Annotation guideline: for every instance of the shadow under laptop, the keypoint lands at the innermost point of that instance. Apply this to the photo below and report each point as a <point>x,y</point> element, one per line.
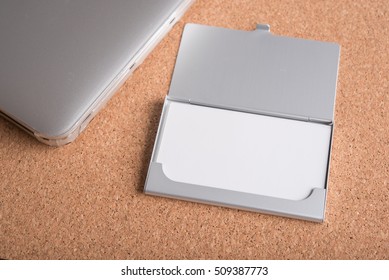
<point>11,134</point>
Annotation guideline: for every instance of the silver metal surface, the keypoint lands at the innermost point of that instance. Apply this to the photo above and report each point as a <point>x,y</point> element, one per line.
<point>256,71</point>
<point>311,209</point>
<point>61,60</point>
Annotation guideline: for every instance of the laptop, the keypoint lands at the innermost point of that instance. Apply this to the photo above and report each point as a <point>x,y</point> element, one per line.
<point>61,61</point>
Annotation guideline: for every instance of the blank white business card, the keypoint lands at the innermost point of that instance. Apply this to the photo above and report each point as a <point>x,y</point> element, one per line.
<point>243,152</point>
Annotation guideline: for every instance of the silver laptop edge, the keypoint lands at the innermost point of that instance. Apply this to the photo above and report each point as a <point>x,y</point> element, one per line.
<point>110,90</point>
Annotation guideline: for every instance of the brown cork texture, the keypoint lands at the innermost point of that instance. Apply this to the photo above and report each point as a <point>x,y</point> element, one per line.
<point>85,200</point>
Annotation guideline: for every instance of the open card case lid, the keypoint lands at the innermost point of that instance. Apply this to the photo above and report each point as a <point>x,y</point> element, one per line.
<point>248,122</point>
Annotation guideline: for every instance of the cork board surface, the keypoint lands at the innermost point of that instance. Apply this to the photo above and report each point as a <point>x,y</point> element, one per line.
<point>85,200</point>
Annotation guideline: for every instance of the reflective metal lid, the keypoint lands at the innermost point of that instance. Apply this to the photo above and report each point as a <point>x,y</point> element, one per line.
<point>257,71</point>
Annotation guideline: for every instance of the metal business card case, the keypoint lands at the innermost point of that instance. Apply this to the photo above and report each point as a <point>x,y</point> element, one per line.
<point>249,74</point>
